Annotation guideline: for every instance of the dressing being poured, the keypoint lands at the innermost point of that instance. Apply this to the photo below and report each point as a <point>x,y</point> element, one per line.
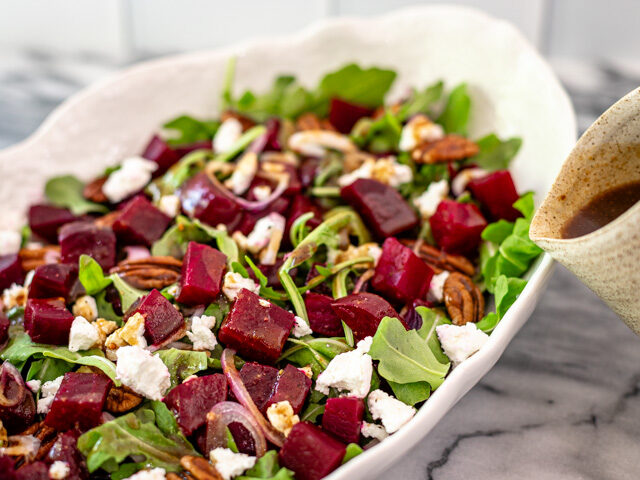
<point>602,209</point>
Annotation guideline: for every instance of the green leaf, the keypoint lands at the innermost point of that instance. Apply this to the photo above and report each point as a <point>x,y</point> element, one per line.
<point>430,320</point>
<point>125,470</point>
<point>495,154</point>
<point>66,191</point>
<point>105,309</point>
<point>190,130</point>
<point>182,363</point>
<point>525,205</point>
<point>166,421</point>
<point>403,357</point>
<point>456,113</point>
<point>312,412</point>
<point>219,310</point>
<point>128,294</point>
<point>91,275</point>
<point>488,323</point>
<point>507,291</point>
<point>231,442</point>
<point>239,145</point>
<point>498,231</point>
<point>179,173</point>
<point>352,83</point>
<point>411,393</point>
<point>380,135</point>
<point>353,450</point>
<point>136,433</point>
<point>267,468</point>
<point>421,101</point>
<point>48,369</point>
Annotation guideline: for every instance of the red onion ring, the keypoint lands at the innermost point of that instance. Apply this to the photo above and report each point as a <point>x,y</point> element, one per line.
<point>136,252</point>
<point>224,413</point>
<point>282,186</point>
<point>12,387</point>
<point>242,395</point>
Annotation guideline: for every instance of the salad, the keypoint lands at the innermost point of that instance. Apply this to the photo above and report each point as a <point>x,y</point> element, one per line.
<point>260,295</point>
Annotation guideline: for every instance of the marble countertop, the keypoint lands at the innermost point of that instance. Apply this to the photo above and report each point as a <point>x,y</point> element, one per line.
<point>564,399</point>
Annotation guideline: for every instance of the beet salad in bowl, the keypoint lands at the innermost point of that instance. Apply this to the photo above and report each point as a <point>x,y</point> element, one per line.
<point>265,293</point>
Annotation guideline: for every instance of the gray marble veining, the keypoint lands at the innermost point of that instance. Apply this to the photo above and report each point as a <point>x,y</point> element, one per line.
<point>562,402</point>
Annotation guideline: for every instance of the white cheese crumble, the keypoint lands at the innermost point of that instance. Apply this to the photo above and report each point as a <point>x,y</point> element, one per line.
<point>427,203</point>
<point>34,385</point>
<point>349,372</point>
<point>418,130</point>
<point>264,303</point>
<point>14,296</point>
<point>386,170</point>
<point>86,307</point>
<point>131,177</point>
<point>48,393</point>
<point>301,328</point>
<point>263,231</point>
<point>230,464</point>
<point>243,174</point>
<point>59,470</point>
<point>200,333</point>
<point>153,474</point>
<point>436,288</point>
<point>281,416</point>
<point>227,135</point>
<point>234,282</point>
<point>10,242</point>
<point>459,342</point>
<point>169,205</point>
<point>142,372</point>
<point>389,410</point>
<point>315,143</point>
<point>372,430</point>
<point>462,179</point>
<point>83,335</point>
<point>261,192</point>
<point>369,249</point>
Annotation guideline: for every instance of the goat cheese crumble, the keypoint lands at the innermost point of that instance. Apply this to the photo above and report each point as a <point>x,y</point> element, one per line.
<point>419,130</point>
<point>462,179</point>
<point>200,333</point>
<point>153,474</point>
<point>59,470</point>
<point>427,203</point>
<point>264,229</point>
<point>389,410</point>
<point>83,335</point>
<point>436,288</point>
<point>33,385</point>
<point>142,372</point>
<point>301,328</point>
<point>372,430</point>
<point>169,205</point>
<point>48,393</point>
<point>230,464</point>
<point>130,178</point>
<point>14,296</point>
<point>234,282</point>
<point>10,242</point>
<point>86,307</point>
<point>459,342</point>
<point>349,372</point>
<point>227,135</point>
<point>386,170</point>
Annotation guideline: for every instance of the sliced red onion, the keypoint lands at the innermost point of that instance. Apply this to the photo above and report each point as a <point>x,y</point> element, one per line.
<point>26,446</point>
<point>224,413</point>
<point>12,387</point>
<point>256,206</point>
<point>259,144</point>
<point>136,252</point>
<point>242,395</point>
<point>106,417</point>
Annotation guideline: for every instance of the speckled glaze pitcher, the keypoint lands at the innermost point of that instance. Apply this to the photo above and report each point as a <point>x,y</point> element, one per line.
<point>608,259</point>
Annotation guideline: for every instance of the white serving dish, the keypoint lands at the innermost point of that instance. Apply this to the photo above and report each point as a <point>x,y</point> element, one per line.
<point>514,93</point>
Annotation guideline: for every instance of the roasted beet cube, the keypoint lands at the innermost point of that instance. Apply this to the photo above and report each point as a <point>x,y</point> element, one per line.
<point>343,417</point>
<point>53,280</point>
<point>299,206</point>
<point>161,319</point>
<point>400,273</point>
<point>65,449</point>
<point>202,269</point>
<point>140,223</point>
<point>4,329</point>
<point>273,129</point>
<point>457,227</point>
<point>497,194</point>
<point>411,317</point>
<point>256,328</point>
<point>203,200</point>
<point>160,152</point>
<point>311,453</point>
<point>79,401</point>
<point>362,312</point>
<point>45,220</point>
<point>308,170</point>
<point>344,115</point>
<point>190,401</point>
<point>86,238</point>
<point>10,271</point>
<point>259,381</point>
<point>48,321</point>
<point>322,318</point>
<point>33,471</point>
<point>292,385</point>
<point>381,207</point>
<point>7,467</point>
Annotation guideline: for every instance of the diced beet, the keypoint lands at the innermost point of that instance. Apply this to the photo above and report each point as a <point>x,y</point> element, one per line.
<point>271,272</point>
<point>65,449</point>
<point>7,467</point>
<point>45,220</point>
<point>242,437</point>
<point>457,227</point>
<point>322,318</point>
<point>311,453</point>
<point>190,401</point>
<point>411,317</point>
<point>257,329</point>
<point>182,150</point>
<point>140,223</point>
<point>381,206</point>
<point>344,115</point>
<point>48,321</point>
<point>10,270</point>
<point>343,417</point>
<point>362,312</point>
<point>33,471</point>
<point>273,130</point>
<point>259,381</point>
<point>203,200</point>
<point>497,194</point>
<point>161,319</point>
<point>86,238</point>
<point>18,417</point>
<point>202,269</point>
<point>400,273</point>
<point>4,329</point>
<point>160,152</point>
<point>308,170</point>
<point>53,280</point>
<point>299,206</point>
<point>292,385</point>
<point>249,219</point>
<point>79,401</point>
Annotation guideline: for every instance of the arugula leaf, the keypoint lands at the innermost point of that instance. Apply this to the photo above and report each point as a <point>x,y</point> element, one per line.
<point>403,357</point>
<point>91,275</point>
<point>497,232</point>
<point>353,450</point>
<point>411,393</point>
<point>380,135</point>
<point>179,173</point>
<point>489,322</point>
<point>219,310</point>
<point>66,191</point>
<point>125,470</point>
<point>267,468</point>
<point>182,363</point>
<point>265,291</point>
<point>316,352</point>
<point>421,101</point>
<point>191,130</point>
<point>430,320</point>
<point>456,113</point>
<point>105,309</point>
<point>354,84</point>
<point>128,294</point>
<point>495,154</point>
<point>312,412</point>
<point>286,99</point>
<point>525,205</point>
<point>507,291</point>
<point>47,369</point>
<point>166,421</point>
<point>135,433</point>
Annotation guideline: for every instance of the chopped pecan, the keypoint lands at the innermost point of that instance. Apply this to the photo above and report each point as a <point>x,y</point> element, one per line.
<point>32,258</point>
<point>182,476</point>
<point>45,434</point>
<point>150,272</point>
<point>310,121</point>
<point>245,121</point>
<point>199,468</point>
<point>354,160</point>
<point>107,221</point>
<point>93,190</point>
<point>448,149</point>
<point>439,260</point>
<point>121,399</point>
<point>463,299</point>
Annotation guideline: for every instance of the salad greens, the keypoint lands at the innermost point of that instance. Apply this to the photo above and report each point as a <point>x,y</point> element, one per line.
<point>66,191</point>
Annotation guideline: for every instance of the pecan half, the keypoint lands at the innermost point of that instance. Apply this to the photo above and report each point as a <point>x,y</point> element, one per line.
<point>45,434</point>
<point>448,149</point>
<point>93,190</point>
<point>121,399</point>
<point>439,260</point>
<point>310,121</point>
<point>107,221</point>
<point>199,468</point>
<point>150,272</point>
<point>245,121</point>
<point>463,299</point>
<point>32,258</point>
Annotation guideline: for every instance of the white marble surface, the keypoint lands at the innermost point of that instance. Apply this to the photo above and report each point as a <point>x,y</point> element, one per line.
<point>563,401</point>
